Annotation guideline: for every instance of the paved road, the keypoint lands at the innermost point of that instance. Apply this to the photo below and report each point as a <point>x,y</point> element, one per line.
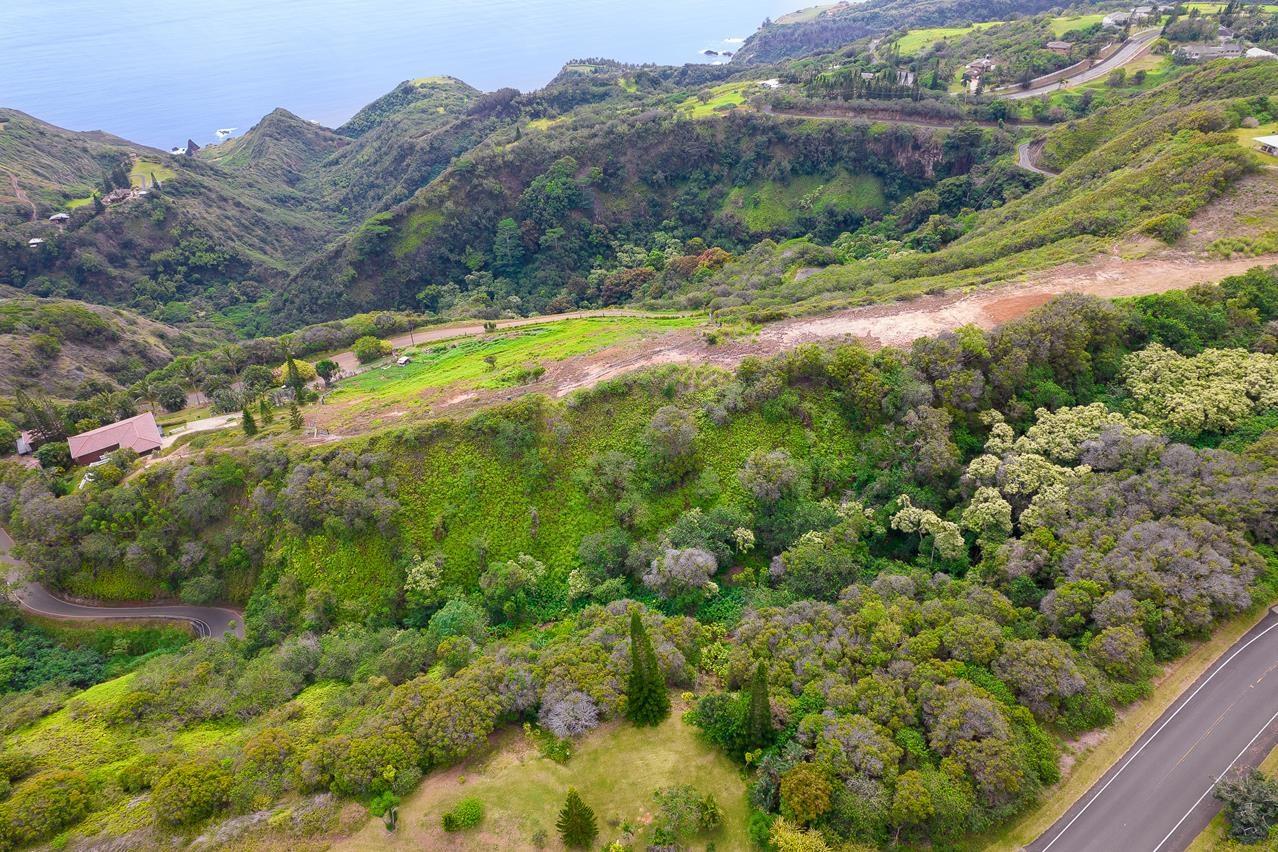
<point>208,424</point>
<point>1134,48</point>
<point>1157,798</point>
<point>1026,161</point>
<point>208,621</point>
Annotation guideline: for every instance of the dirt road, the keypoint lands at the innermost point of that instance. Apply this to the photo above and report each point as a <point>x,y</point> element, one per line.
<point>893,324</point>
<point>22,196</point>
<point>348,363</point>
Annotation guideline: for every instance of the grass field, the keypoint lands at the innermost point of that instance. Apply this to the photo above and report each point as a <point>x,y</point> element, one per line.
<point>1213,8</point>
<point>805,15</point>
<point>1064,24</point>
<point>916,40</point>
<point>1247,134</point>
<point>616,769</point>
<point>768,207</point>
<point>462,363</point>
<point>143,171</point>
<point>721,98</point>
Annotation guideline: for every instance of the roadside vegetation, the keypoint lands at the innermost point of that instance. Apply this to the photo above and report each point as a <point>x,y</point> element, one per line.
<point>410,593</point>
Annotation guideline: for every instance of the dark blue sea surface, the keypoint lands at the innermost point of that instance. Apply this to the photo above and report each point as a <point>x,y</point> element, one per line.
<point>160,72</point>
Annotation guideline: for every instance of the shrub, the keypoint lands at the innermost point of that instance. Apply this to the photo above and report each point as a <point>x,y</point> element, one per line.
<point>190,792</point>
<point>44,805</point>
<point>1169,227</point>
<point>467,813</point>
<point>369,349</point>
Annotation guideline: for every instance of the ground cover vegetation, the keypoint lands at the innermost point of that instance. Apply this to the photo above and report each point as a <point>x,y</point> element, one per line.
<point>890,581</point>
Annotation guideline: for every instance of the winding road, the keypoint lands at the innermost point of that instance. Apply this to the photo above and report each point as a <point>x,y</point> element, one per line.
<point>208,621</point>
<point>1025,155</point>
<point>21,195</point>
<point>1157,798</point>
<point>1138,44</point>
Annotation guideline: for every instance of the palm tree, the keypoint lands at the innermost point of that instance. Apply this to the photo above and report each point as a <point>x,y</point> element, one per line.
<point>145,391</point>
<point>192,374</point>
<point>234,357</point>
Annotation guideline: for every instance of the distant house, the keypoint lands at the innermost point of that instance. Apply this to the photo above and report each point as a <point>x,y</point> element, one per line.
<point>60,217</point>
<point>1061,48</point>
<point>26,443</point>
<point>1208,52</point>
<point>140,434</point>
<point>1267,145</point>
<point>1259,53</point>
<point>1116,20</point>
<point>35,242</point>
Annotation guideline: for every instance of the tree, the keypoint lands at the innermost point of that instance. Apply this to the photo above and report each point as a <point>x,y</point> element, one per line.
<point>369,348</point>
<point>295,421</point>
<point>911,803</point>
<point>672,435</point>
<point>265,410</point>
<point>248,423</point>
<point>647,701</point>
<point>293,378</point>
<point>44,419</point>
<point>55,455</point>
<point>758,721</point>
<point>192,374</point>
<point>1251,803</point>
<point>148,392</point>
<point>805,793</point>
<point>326,369</point>
<point>576,823</point>
<point>170,395</point>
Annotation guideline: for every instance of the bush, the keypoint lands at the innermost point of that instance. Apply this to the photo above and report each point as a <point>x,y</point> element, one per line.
<point>44,805</point>
<point>369,349</point>
<point>1169,227</point>
<point>1251,804</point>
<point>467,813</point>
<point>190,792</point>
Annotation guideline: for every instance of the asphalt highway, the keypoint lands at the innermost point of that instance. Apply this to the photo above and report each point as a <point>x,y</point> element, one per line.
<point>208,621</point>
<point>1157,797</point>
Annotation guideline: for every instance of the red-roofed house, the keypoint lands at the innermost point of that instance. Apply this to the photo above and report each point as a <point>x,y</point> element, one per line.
<point>140,434</point>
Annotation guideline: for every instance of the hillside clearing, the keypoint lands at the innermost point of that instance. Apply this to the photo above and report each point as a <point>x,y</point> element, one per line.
<point>616,768</point>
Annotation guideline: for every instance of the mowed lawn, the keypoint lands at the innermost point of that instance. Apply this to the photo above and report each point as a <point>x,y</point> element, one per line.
<point>616,769</point>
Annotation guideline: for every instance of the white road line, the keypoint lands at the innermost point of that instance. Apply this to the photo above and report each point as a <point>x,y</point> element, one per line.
<point>1211,787</point>
<point>1165,723</point>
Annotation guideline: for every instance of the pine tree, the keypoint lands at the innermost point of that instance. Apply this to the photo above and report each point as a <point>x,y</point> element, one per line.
<point>576,822</point>
<point>758,721</point>
<point>294,379</point>
<point>249,424</point>
<point>647,701</point>
<point>295,417</point>
<point>264,411</point>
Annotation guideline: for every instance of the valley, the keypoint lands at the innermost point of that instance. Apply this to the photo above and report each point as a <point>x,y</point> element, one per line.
<point>868,442</point>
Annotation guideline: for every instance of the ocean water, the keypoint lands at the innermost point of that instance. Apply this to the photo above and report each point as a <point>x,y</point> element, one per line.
<point>160,72</point>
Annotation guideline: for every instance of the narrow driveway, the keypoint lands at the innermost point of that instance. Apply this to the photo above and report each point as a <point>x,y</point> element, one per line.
<point>1157,798</point>
<point>1138,44</point>
<point>208,424</point>
<point>208,621</point>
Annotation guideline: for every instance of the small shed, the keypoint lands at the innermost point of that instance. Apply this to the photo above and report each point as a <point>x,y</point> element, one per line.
<point>1268,145</point>
<point>26,443</point>
<point>59,217</point>
<point>35,242</point>
<point>1061,48</point>
<point>403,359</point>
